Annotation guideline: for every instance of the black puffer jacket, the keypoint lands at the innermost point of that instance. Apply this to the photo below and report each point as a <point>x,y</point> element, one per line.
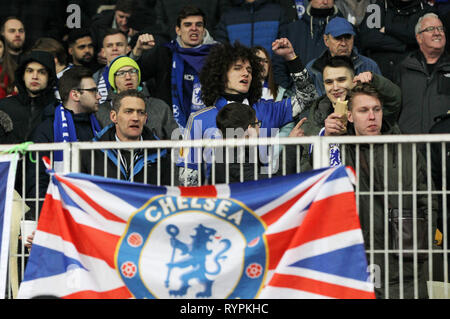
<point>27,112</point>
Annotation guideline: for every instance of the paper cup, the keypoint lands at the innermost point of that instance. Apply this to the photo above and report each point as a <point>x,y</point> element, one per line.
<point>27,227</point>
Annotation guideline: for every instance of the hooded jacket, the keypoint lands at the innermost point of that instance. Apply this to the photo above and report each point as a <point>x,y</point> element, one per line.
<point>306,36</point>
<point>27,112</point>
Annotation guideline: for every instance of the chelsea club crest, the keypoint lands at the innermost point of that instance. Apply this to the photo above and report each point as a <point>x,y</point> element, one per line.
<point>190,247</point>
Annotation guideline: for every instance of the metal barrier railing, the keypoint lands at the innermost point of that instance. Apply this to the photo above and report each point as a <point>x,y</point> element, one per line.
<point>354,150</point>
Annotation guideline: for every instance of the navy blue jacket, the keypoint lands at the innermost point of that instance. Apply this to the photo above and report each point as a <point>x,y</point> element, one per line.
<point>307,42</point>
<point>139,162</point>
<point>257,23</point>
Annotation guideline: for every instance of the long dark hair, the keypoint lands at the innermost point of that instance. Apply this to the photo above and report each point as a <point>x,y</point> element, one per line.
<point>213,76</point>
<point>273,87</point>
<point>8,68</point>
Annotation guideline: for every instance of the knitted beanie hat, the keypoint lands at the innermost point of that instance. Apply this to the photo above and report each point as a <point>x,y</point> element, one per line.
<point>118,63</point>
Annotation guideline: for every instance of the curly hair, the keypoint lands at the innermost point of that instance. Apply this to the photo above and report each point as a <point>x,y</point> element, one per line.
<point>213,76</point>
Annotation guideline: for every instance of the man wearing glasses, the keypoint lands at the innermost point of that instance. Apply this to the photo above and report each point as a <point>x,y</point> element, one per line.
<point>124,74</point>
<point>71,121</point>
<point>424,78</point>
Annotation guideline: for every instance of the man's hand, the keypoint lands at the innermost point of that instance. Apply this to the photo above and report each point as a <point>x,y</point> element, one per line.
<point>364,77</point>
<point>30,241</point>
<point>283,47</point>
<point>144,42</point>
<point>334,125</point>
<point>297,131</point>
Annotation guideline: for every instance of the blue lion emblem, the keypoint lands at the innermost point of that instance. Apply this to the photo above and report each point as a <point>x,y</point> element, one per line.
<point>196,257</point>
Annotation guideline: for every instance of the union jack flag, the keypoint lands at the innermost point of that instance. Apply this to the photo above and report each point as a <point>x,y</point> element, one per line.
<point>8,165</point>
<point>295,236</point>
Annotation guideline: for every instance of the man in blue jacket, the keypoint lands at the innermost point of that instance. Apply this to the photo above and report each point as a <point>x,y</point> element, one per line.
<point>339,39</point>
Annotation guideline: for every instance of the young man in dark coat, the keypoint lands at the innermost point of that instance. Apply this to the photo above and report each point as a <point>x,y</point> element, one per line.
<point>71,121</point>
<point>35,80</point>
<point>380,170</point>
<point>175,66</point>
<point>128,117</point>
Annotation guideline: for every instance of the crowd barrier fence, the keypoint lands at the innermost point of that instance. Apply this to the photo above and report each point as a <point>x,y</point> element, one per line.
<point>435,249</point>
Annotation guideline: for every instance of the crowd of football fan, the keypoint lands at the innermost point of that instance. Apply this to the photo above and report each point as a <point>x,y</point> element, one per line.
<point>131,70</point>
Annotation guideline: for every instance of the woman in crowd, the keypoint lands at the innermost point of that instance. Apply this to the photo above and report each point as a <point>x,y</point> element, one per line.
<point>270,88</point>
<point>7,67</point>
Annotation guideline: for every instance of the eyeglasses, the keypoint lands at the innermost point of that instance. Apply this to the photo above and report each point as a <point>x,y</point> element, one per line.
<point>93,90</point>
<point>431,29</point>
<point>130,72</point>
<point>256,123</point>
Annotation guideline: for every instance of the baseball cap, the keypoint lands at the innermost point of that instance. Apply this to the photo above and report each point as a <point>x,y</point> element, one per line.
<point>339,26</point>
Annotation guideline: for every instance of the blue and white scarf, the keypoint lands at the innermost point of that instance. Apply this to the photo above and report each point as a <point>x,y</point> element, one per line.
<point>103,85</point>
<point>64,131</point>
<point>183,59</point>
<point>335,151</point>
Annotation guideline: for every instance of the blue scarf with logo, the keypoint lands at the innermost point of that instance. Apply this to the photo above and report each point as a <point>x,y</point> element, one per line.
<point>185,61</point>
<point>64,130</point>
